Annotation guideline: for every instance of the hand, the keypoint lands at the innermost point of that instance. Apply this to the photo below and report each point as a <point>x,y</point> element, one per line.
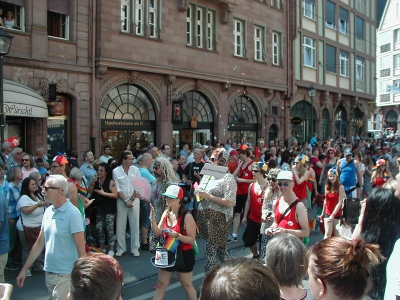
<point>100,192</point>
<point>94,179</point>
<point>152,213</point>
<point>129,203</point>
<point>278,231</point>
<point>204,195</point>
<point>268,231</point>
<point>244,221</point>
<point>10,221</point>
<point>173,233</point>
<point>21,278</point>
<point>5,291</point>
<point>329,220</point>
<point>89,201</point>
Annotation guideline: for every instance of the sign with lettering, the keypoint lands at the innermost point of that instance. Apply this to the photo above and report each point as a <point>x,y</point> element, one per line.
<point>117,123</point>
<point>214,170</point>
<point>23,110</point>
<point>296,120</point>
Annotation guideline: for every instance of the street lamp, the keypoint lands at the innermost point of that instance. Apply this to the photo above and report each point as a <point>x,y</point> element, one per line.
<point>5,44</point>
<point>311,94</point>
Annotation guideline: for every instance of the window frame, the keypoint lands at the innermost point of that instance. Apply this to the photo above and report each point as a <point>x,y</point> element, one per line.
<point>312,11</point>
<point>396,37</point>
<point>64,23</point>
<point>396,61</point>
<point>259,40</point>
<point>343,24</point>
<point>276,48</point>
<point>331,25</point>
<point>357,30</point>
<point>141,18</point>
<point>201,32</point>
<point>360,68</point>
<point>241,34</point>
<point>311,50</point>
<point>344,63</point>
<point>383,85</point>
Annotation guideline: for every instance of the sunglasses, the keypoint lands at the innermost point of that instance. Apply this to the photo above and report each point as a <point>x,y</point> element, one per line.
<point>24,159</point>
<point>273,179</point>
<point>213,159</point>
<point>283,183</point>
<point>156,168</point>
<point>18,153</point>
<point>330,152</point>
<point>256,171</point>
<point>46,188</point>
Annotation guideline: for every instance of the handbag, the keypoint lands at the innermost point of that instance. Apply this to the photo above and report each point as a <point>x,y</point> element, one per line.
<point>31,233</point>
<point>167,259</point>
<point>344,230</point>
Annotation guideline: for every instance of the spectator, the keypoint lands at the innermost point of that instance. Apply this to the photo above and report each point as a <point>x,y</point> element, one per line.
<point>166,152</point>
<point>251,281</point>
<point>16,155</point>
<point>27,165</point>
<point>10,21</point>
<point>96,276</point>
<point>61,235</point>
<point>128,204</point>
<point>341,269</point>
<point>285,256</point>
<point>4,236</point>
<point>181,165</point>
<point>3,181</point>
<point>137,152</point>
<point>87,168</point>
<point>40,167</point>
<point>41,153</point>
<point>73,159</point>
<point>5,155</point>
<point>11,194</point>
<point>106,154</point>
<point>184,151</point>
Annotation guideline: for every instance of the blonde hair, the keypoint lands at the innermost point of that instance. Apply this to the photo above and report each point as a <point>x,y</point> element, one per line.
<point>75,173</point>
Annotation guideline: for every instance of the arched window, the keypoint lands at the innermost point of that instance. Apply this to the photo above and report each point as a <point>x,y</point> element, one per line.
<point>242,111</point>
<point>391,120</point>
<point>325,125</point>
<point>340,120</point>
<point>194,104</point>
<point>127,102</point>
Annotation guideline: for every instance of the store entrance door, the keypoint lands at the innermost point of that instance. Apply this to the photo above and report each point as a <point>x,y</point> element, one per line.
<point>201,136</point>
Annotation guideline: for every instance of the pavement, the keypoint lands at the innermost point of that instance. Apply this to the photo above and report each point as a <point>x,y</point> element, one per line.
<point>139,274</point>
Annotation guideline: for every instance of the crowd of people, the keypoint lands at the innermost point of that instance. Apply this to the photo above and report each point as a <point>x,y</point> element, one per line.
<point>271,190</point>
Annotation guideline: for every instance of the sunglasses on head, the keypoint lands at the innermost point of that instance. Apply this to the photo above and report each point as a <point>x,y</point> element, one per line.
<point>283,183</point>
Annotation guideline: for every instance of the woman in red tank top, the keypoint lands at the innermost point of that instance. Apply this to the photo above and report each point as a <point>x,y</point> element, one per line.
<point>170,227</point>
<point>300,177</point>
<point>290,213</point>
<point>381,175</point>
<point>332,208</point>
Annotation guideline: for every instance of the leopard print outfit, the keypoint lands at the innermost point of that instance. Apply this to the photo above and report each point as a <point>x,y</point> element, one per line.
<point>214,221</point>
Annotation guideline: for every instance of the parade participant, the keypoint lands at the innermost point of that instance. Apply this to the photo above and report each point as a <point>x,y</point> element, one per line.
<point>381,174</point>
<point>105,193</point>
<point>341,269</point>
<point>329,162</point>
<point>271,195</point>
<point>28,225</point>
<point>233,161</point>
<point>164,174</point>
<point>172,219</point>
<point>215,212</point>
<point>252,211</point>
<point>244,177</point>
<point>62,236</point>
<point>331,210</point>
<point>317,165</point>
<point>96,276</point>
<point>290,213</point>
<point>301,174</point>
<point>4,236</point>
<point>286,259</point>
<point>368,164</point>
<point>349,170</point>
<point>128,204</point>
<point>251,281</point>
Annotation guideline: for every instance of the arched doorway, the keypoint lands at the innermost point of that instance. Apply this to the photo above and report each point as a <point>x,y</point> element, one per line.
<point>357,121</point>
<point>304,111</point>
<point>325,123</point>
<point>272,132</point>
<point>194,104</point>
<point>127,116</point>
<point>242,121</point>
<point>391,120</point>
<point>340,121</point>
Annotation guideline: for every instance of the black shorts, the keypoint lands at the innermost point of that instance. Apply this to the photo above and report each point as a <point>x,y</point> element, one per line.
<point>240,203</point>
<point>251,233</point>
<point>327,216</point>
<point>189,258</point>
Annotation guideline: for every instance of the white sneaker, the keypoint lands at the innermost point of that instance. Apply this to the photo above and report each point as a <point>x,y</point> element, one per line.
<point>111,253</point>
<point>28,273</point>
<point>136,253</point>
<point>119,254</point>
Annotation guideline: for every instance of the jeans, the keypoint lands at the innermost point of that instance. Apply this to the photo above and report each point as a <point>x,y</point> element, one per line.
<point>13,235</point>
<point>145,210</point>
<point>132,214</point>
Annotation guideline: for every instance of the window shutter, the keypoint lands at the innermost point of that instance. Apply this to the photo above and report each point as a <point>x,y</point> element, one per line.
<point>330,12</point>
<point>16,2</point>
<point>343,14</point>
<point>59,6</point>
<point>330,59</point>
<point>311,1</point>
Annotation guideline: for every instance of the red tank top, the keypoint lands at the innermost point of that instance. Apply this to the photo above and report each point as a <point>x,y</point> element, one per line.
<point>256,201</point>
<point>289,221</point>
<point>332,200</point>
<point>176,228</point>
<point>300,189</point>
<point>243,187</point>
<point>380,181</point>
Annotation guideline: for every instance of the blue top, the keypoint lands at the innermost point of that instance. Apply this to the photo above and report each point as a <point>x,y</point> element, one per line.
<point>313,141</point>
<point>88,172</point>
<point>4,234</point>
<point>58,226</point>
<point>184,153</point>
<point>348,175</point>
<point>11,193</point>
<point>146,174</point>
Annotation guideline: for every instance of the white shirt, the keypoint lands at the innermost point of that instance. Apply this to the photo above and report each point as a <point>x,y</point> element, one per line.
<point>34,219</point>
<point>123,181</point>
<point>393,274</point>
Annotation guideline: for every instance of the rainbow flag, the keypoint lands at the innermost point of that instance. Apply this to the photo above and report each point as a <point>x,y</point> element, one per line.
<point>386,175</point>
<point>95,249</point>
<point>171,244</point>
<point>81,190</point>
<point>310,179</point>
<point>374,168</point>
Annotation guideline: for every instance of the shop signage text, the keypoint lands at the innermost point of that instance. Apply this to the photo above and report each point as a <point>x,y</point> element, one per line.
<point>126,123</point>
<point>296,120</point>
<point>18,110</point>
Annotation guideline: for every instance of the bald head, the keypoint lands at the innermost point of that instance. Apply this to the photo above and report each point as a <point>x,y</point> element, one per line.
<point>146,160</point>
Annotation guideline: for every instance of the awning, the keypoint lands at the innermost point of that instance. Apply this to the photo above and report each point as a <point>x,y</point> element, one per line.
<point>21,101</point>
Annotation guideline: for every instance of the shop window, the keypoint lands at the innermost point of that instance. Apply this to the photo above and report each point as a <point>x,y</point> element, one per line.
<point>194,104</point>
<point>17,12</point>
<point>57,25</point>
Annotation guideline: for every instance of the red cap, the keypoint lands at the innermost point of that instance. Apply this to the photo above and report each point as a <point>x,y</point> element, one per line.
<point>61,160</point>
<point>233,152</point>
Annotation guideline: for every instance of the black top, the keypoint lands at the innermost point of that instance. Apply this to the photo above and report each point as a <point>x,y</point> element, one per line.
<point>105,205</point>
<point>137,153</point>
<point>191,168</point>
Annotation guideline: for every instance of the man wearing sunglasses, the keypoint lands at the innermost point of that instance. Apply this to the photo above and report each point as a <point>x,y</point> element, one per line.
<point>350,174</point>
<point>61,235</point>
<point>16,154</point>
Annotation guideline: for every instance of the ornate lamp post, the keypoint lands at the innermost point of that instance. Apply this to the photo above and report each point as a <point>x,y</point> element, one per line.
<point>5,44</point>
<point>311,94</point>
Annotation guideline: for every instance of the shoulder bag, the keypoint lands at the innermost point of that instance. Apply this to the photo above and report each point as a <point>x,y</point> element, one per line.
<point>31,233</point>
<point>287,210</point>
